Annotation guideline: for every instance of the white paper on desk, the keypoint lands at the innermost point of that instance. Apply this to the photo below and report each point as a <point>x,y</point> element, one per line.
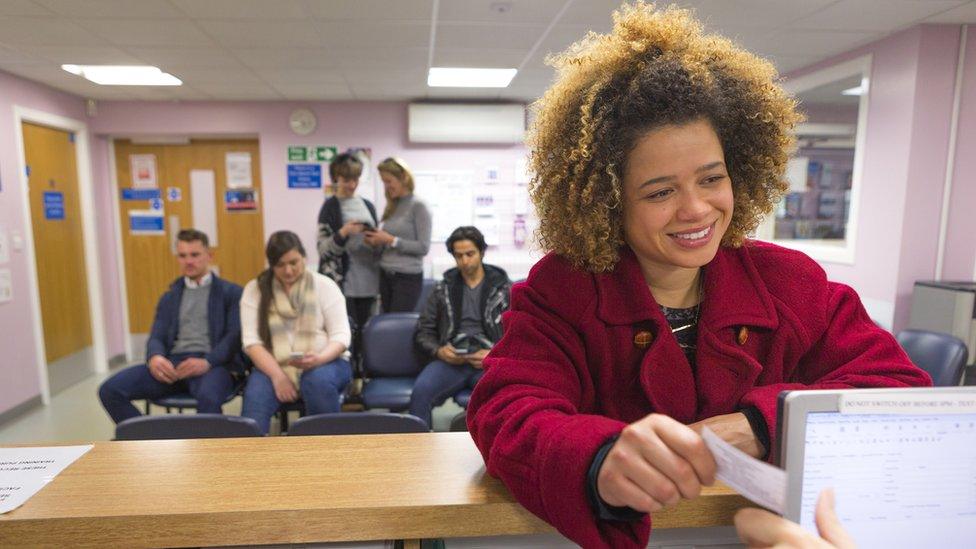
<point>754,479</point>
<point>24,471</point>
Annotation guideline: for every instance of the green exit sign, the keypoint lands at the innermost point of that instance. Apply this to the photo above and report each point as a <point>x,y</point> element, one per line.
<point>301,153</point>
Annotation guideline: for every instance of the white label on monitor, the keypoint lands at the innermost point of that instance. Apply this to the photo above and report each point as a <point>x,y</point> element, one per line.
<point>888,403</point>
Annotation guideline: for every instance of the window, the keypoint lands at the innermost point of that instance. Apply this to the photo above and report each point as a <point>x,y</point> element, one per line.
<point>818,215</point>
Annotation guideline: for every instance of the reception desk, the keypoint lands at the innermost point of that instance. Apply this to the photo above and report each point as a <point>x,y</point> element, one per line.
<point>275,490</point>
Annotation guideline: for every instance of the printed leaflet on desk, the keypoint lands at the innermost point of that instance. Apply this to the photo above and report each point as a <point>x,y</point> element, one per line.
<point>24,471</point>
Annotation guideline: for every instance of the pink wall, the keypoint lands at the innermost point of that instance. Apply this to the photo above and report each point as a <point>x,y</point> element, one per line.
<point>18,370</point>
<point>929,148</point>
<point>960,250</point>
<point>909,107</point>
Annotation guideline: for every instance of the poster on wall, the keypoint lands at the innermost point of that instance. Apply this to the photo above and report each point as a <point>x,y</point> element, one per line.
<point>4,246</point>
<point>304,176</point>
<point>449,197</point>
<point>241,200</point>
<point>6,286</point>
<point>53,206</point>
<point>238,170</point>
<point>146,222</point>
<point>143,168</point>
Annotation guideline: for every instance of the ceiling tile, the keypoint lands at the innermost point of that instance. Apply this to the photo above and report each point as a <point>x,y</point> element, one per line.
<point>390,77</point>
<point>870,15</point>
<point>787,63</point>
<point>35,31</point>
<point>561,37</point>
<point>233,91</point>
<point>719,14</point>
<point>229,75</point>
<point>296,58</point>
<point>373,10</point>
<point>85,55</point>
<point>112,8</point>
<point>457,35</point>
<point>16,56</point>
<point>405,34</point>
<point>794,42</point>
<point>370,92</point>
<point>242,9</point>
<point>329,92</point>
<point>257,34</point>
<point>594,13</point>
<point>22,7</point>
<point>147,32</point>
<point>962,14</point>
<point>185,57</point>
<point>300,76</point>
<point>381,58</point>
<point>520,12</point>
<point>478,57</point>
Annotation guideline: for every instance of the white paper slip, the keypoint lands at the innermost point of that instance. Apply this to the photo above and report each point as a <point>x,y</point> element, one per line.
<point>24,471</point>
<point>754,479</point>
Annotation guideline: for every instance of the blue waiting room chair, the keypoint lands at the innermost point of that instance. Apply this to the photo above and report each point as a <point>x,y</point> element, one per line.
<point>389,361</point>
<point>186,426</point>
<point>943,356</point>
<point>357,423</point>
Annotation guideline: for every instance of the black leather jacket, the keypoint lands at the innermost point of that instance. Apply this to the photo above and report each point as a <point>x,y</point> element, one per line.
<point>437,324</point>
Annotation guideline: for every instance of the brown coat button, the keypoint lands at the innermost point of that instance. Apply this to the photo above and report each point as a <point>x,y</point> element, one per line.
<point>643,339</point>
<point>743,335</point>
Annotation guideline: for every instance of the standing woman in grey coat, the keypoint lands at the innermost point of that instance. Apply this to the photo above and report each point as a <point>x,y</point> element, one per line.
<point>404,236</point>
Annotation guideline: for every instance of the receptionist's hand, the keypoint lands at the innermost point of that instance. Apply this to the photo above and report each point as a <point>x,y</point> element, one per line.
<point>655,463</point>
<point>758,528</point>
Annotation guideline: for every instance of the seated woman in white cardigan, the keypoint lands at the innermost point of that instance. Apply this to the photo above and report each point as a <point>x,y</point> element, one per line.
<point>295,329</point>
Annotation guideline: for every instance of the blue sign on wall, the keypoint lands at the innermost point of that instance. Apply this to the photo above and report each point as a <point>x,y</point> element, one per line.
<point>53,205</point>
<point>144,223</point>
<point>140,194</point>
<point>304,176</point>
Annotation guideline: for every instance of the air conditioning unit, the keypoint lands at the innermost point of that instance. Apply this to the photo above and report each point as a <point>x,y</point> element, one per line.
<point>466,123</point>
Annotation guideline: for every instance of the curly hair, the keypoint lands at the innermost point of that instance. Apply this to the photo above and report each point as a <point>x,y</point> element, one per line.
<point>655,68</point>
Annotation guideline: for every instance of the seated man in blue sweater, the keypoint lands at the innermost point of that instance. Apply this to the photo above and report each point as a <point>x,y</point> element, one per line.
<point>195,343</point>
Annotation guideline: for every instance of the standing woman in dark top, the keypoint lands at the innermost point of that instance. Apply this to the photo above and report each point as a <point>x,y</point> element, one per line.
<point>404,239</point>
<point>344,255</point>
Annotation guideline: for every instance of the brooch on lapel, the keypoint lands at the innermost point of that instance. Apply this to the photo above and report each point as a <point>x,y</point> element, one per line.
<point>743,335</point>
<point>643,339</point>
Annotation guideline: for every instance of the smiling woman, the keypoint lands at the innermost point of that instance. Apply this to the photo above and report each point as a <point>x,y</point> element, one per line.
<point>655,152</point>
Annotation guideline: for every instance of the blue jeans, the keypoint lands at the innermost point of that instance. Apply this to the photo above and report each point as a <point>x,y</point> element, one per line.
<point>319,387</point>
<point>136,383</point>
<point>438,381</point>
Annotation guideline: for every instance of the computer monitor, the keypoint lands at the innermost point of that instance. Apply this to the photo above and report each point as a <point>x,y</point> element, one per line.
<point>902,462</point>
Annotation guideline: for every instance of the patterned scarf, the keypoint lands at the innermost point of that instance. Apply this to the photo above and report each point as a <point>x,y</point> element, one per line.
<point>300,305</point>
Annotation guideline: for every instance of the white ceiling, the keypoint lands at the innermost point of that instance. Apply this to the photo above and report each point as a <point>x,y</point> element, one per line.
<point>381,49</point>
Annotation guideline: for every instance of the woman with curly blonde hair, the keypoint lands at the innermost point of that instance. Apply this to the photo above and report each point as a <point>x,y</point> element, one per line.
<point>656,152</point>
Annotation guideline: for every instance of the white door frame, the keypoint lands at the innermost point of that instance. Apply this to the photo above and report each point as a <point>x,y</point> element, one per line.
<point>89,235</point>
<point>120,251</point>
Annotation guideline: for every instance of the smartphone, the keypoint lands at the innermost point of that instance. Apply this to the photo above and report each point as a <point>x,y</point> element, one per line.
<point>296,356</point>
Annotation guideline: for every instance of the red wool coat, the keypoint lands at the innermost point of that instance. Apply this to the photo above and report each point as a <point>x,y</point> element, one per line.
<point>567,374</point>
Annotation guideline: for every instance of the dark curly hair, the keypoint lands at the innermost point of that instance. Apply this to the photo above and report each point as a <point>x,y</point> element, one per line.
<point>655,68</point>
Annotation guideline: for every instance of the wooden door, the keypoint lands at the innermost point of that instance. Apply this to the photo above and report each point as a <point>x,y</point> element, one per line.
<point>59,247</point>
<point>150,266</point>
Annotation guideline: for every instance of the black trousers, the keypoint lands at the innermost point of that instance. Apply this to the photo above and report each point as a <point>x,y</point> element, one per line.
<point>399,292</point>
<point>360,309</point>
